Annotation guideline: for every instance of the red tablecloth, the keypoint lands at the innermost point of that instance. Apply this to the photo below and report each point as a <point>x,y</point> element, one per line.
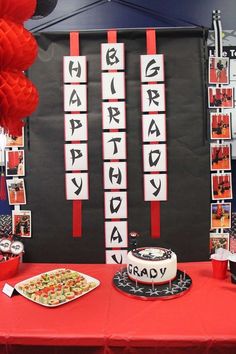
<point>106,321</point>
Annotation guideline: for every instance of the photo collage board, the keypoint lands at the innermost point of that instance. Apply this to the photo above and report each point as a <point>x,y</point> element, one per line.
<point>221,104</point>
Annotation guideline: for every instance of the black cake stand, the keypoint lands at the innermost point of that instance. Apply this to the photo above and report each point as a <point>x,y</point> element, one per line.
<point>176,288</point>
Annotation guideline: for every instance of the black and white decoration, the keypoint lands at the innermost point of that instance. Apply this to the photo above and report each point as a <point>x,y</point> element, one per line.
<point>77,186</point>
<point>75,69</point>
<point>154,127</point>
<point>112,56</point>
<point>76,128</point>
<point>116,234</point>
<point>113,115</point>
<point>114,152</point>
<point>152,68</point>
<point>115,175</point>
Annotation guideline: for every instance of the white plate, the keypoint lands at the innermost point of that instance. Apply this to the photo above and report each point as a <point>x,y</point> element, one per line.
<point>88,278</point>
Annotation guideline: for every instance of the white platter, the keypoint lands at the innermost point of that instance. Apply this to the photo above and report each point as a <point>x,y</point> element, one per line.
<point>50,294</point>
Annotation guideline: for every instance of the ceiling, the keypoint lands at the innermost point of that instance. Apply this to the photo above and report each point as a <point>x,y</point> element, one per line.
<point>104,14</point>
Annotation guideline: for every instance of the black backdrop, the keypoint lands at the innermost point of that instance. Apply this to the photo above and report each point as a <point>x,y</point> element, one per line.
<point>185,216</point>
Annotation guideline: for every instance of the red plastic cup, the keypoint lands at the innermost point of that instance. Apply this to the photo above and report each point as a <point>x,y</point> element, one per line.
<point>9,268</point>
<point>219,267</point>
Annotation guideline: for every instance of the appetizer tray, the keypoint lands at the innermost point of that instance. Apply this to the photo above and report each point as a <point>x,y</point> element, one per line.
<point>56,287</point>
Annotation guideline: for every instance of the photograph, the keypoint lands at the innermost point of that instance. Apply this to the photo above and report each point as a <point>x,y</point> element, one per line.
<point>16,191</point>
<point>220,215</point>
<point>221,97</point>
<point>220,157</point>
<point>218,70</point>
<point>220,240</point>
<point>220,126</point>
<point>221,186</point>
<point>15,163</point>
<point>21,223</point>
<point>15,141</point>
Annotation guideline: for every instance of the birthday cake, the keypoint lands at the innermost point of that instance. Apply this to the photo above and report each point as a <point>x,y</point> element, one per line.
<point>151,265</point>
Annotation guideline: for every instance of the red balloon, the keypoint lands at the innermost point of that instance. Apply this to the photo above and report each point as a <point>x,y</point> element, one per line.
<point>18,10</point>
<point>18,95</point>
<point>18,48</point>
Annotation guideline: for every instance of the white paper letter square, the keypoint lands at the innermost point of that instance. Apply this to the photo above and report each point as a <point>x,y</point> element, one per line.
<point>154,127</point>
<point>113,86</point>
<point>113,115</point>
<point>116,234</point>
<point>113,56</point>
<point>152,68</point>
<point>77,186</point>
<point>76,157</point>
<point>116,257</point>
<point>153,98</point>
<point>75,98</point>
<point>74,69</point>
<point>114,146</point>
<point>155,187</point>
<point>76,127</point>
<point>115,175</point>
<point>115,205</point>
<point>154,158</point>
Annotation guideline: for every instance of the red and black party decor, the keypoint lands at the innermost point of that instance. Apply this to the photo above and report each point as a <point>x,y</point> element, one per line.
<point>220,99</point>
<point>18,50</point>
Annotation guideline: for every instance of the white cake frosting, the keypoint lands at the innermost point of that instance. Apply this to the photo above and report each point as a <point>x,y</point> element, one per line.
<point>151,265</point>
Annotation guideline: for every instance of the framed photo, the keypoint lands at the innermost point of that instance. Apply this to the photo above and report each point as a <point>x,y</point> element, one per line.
<point>15,141</point>
<point>113,115</point>
<point>153,97</point>
<point>220,157</point>
<point>155,187</point>
<point>16,191</point>
<point>21,223</point>
<point>218,70</point>
<point>152,68</point>
<point>76,157</point>
<point>154,158</point>
<point>221,185</point>
<point>115,205</point>
<point>114,145</point>
<point>15,163</point>
<point>116,234</point>
<point>220,215</point>
<point>221,97</point>
<point>115,175</point>
<point>116,256</point>
<point>154,127</point>
<point>77,186</point>
<point>75,69</point>
<point>75,98</point>
<point>220,126</point>
<point>218,240</point>
<point>112,56</point>
<point>113,86</point>
<point>76,127</point>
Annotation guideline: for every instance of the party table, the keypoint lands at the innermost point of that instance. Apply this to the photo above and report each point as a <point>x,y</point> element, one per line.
<point>107,321</point>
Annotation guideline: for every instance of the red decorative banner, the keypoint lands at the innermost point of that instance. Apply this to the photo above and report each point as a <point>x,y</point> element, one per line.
<point>154,205</point>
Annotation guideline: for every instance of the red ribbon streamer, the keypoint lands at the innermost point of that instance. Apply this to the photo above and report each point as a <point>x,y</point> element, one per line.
<point>154,205</point>
<point>77,204</point>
